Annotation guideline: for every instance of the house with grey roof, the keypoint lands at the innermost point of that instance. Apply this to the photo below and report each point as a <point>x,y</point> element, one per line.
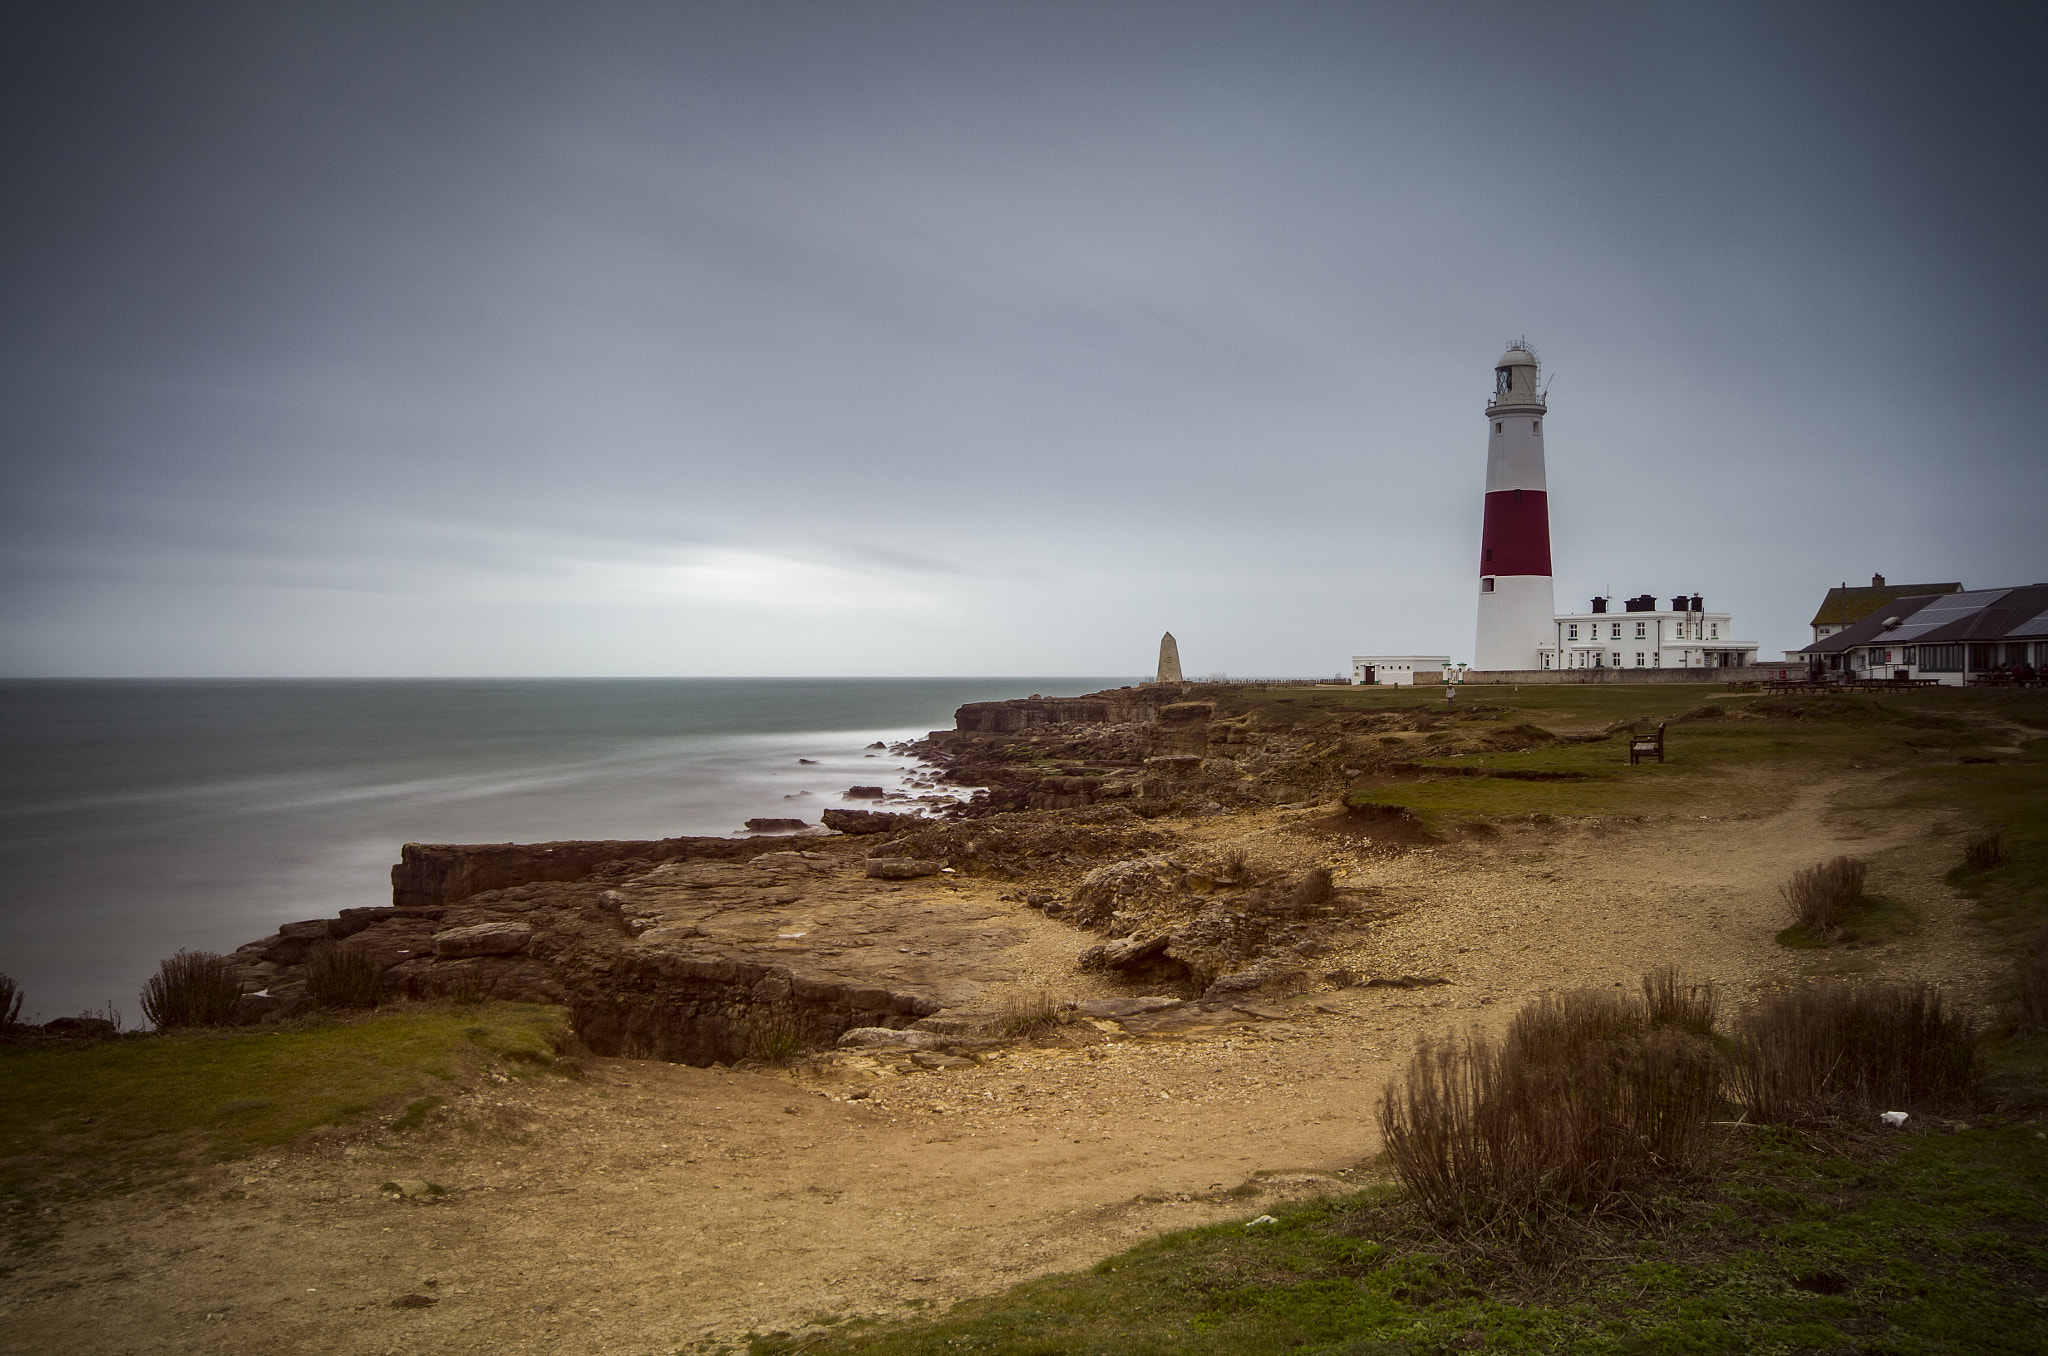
<point>1950,637</point>
<point>1845,606</point>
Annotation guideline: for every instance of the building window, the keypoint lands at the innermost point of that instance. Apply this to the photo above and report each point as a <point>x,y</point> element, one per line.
<point>1639,659</point>
<point>1617,631</point>
<point>1486,584</point>
<point>1941,658</point>
<point>1640,632</point>
<point>1657,659</point>
<point>1716,630</point>
<point>1572,631</point>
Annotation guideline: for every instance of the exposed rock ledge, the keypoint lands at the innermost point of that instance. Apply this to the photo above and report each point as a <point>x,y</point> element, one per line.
<point>726,949</point>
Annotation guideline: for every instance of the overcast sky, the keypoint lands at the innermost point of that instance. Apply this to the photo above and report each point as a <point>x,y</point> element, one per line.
<point>869,338</point>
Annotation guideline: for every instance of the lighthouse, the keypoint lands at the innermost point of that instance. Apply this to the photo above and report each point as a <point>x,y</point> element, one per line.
<point>1515,602</point>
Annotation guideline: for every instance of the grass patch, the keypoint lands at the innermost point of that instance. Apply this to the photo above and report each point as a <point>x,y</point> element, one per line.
<point>1031,1014</point>
<point>416,1112</point>
<point>1917,1242</point>
<point>84,1118</point>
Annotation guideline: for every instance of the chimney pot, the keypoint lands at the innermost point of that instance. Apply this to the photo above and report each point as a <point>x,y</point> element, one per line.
<point>1877,581</point>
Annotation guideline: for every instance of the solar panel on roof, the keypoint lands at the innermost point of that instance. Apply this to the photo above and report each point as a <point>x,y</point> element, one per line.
<point>2037,627</point>
<point>1946,610</point>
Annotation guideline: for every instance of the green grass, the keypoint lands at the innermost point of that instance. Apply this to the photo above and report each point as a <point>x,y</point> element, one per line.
<point>1902,733</point>
<point>1921,1243</point>
<point>80,1119</point>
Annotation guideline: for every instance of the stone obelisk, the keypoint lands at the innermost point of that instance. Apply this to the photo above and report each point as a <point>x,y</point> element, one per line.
<point>1169,659</point>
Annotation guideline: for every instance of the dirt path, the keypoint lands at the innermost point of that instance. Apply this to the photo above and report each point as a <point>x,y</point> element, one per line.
<point>655,1205</point>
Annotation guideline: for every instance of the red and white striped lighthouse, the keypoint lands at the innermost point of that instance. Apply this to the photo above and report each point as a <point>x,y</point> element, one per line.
<point>1516,606</point>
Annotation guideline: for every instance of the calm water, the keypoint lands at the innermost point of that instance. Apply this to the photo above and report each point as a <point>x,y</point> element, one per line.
<point>139,817</point>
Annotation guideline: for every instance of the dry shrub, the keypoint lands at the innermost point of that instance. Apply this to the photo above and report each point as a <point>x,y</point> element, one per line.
<point>1822,896</point>
<point>1835,1048</point>
<point>192,988</point>
<point>1029,1014</point>
<point>773,1040</point>
<point>343,977</point>
<point>10,1002</point>
<point>1984,850</point>
<point>1313,889</point>
<point>1588,1094</point>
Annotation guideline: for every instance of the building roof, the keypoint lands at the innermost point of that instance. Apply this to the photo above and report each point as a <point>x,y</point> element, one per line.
<point>1979,616</point>
<point>1845,605</point>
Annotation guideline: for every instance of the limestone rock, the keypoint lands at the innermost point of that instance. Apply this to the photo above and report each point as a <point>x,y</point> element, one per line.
<point>793,861</point>
<point>1126,1007</point>
<point>899,868</point>
<point>1125,953</point>
<point>483,939</point>
<point>864,793</point>
<point>776,825</point>
<point>928,1059</point>
<point>866,821</point>
<point>888,1038</point>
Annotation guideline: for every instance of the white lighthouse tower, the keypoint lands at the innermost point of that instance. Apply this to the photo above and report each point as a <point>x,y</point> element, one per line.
<point>1515,599</point>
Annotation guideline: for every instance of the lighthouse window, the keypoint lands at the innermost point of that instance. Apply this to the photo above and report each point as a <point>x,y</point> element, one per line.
<point>1496,427</point>
<point>1535,426</point>
<point>1486,585</point>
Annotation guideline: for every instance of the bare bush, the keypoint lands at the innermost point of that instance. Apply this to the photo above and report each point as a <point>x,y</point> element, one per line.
<point>1029,1014</point>
<point>1313,889</point>
<point>343,977</point>
<point>1831,1049</point>
<point>773,1040</point>
<point>192,988</point>
<point>1589,1093</point>
<point>1984,850</point>
<point>1822,896</point>
<point>10,1002</point>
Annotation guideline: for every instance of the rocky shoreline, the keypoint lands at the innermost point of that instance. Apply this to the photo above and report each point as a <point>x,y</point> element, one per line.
<point>722,950</point>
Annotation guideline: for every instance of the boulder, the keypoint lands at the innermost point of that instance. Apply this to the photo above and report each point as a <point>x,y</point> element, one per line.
<point>776,825</point>
<point>864,793</point>
<point>900,868</point>
<point>483,939</point>
<point>866,821</point>
<point>1124,953</point>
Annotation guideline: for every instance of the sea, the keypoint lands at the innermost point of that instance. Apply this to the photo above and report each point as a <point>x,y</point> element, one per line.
<point>142,817</point>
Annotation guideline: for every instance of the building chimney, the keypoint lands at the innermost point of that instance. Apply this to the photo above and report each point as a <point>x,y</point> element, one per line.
<point>1599,604</point>
<point>1877,581</point>
<point>1697,605</point>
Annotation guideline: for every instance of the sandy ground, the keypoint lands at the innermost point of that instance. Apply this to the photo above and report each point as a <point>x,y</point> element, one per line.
<point>652,1206</point>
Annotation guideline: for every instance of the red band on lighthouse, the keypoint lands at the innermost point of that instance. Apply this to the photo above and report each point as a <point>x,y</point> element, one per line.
<point>1515,536</point>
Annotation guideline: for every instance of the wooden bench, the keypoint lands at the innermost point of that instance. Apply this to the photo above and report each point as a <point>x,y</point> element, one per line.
<point>1643,745</point>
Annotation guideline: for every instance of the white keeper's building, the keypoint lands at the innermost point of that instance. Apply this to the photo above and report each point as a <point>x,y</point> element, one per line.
<point>1398,670</point>
<point>1643,635</point>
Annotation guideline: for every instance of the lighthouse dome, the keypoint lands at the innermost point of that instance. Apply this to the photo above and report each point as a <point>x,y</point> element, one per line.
<point>1516,356</point>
